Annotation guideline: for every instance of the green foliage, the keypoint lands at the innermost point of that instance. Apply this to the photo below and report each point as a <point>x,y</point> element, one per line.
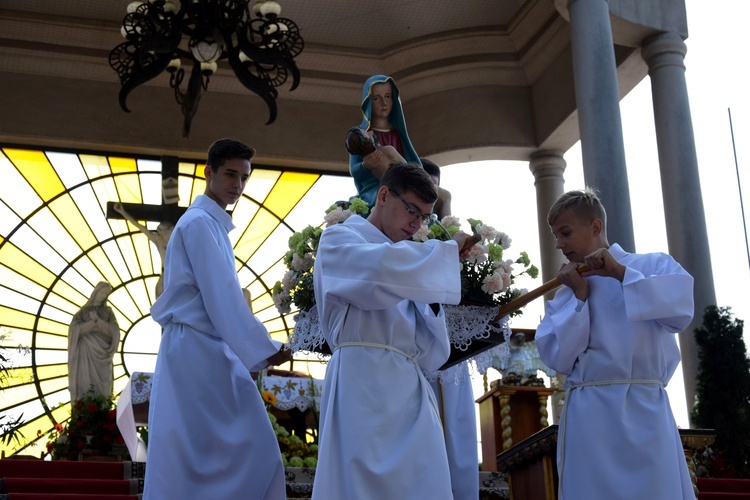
<point>723,392</point>
<point>295,452</point>
<point>296,287</point>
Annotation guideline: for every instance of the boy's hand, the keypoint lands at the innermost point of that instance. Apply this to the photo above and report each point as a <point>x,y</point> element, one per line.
<point>282,356</point>
<point>465,243</point>
<point>573,279</point>
<point>602,263</point>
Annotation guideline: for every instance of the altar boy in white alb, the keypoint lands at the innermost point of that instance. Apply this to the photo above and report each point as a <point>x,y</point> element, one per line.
<point>611,331</point>
<point>209,434</point>
<point>378,296</point>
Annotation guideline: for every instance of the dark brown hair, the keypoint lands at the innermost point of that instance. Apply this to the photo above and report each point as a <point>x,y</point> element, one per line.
<point>405,177</point>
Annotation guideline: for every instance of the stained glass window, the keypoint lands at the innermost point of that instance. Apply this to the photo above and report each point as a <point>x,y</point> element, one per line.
<point>57,243</point>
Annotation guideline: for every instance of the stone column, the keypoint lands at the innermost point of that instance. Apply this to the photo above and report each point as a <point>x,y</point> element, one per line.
<point>680,183</point>
<point>598,100</point>
<point>548,168</point>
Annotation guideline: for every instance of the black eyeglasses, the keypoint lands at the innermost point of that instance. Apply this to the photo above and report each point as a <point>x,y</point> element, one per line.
<point>411,210</point>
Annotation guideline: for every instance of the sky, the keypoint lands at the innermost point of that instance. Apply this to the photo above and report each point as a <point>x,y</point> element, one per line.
<point>502,194</point>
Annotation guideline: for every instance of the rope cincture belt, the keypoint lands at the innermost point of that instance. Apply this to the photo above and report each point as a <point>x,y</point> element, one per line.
<point>425,385</point>
<point>564,417</point>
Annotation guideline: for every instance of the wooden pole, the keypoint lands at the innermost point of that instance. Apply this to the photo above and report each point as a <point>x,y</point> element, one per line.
<point>524,299</point>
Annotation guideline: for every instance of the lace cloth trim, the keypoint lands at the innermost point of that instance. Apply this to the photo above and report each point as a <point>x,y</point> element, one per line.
<point>464,323</point>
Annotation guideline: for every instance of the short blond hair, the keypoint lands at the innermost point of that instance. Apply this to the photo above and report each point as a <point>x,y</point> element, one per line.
<point>584,203</point>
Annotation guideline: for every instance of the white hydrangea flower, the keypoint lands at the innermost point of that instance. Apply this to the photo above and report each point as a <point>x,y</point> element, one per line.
<point>422,234</point>
<point>504,240</point>
<point>337,216</point>
<point>503,265</point>
<point>286,281</point>
<point>487,233</point>
<point>493,283</point>
<point>282,301</point>
<point>450,220</point>
<point>302,264</point>
<point>477,254</point>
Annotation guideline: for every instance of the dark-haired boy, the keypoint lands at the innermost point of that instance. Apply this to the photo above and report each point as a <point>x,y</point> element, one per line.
<point>209,434</point>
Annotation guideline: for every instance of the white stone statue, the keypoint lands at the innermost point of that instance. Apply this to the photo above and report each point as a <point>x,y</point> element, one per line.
<point>93,338</point>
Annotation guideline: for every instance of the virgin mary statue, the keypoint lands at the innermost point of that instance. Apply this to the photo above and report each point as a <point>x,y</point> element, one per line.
<point>93,338</point>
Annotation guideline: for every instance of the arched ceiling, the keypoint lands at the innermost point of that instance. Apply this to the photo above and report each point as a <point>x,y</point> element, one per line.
<point>479,80</point>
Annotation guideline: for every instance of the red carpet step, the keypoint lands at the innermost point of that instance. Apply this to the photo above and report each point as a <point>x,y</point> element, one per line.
<point>67,480</point>
<point>79,485</point>
<point>66,469</point>
<point>723,489</point>
<point>66,496</point>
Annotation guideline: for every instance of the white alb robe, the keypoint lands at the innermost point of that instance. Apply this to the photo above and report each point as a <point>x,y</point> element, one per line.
<point>620,440</point>
<point>209,434</point>
<point>380,432</point>
<point>455,398</point>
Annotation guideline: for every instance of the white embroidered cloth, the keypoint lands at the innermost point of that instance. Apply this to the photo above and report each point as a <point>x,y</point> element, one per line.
<point>294,392</point>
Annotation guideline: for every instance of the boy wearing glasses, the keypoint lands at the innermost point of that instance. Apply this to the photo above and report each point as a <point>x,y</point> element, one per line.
<point>379,296</point>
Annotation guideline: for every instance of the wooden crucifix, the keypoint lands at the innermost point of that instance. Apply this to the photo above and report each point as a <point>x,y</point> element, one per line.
<point>167,213</point>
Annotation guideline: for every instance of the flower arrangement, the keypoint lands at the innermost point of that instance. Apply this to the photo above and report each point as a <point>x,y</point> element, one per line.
<point>92,426</point>
<point>486,278</point>
<point>296,287</point>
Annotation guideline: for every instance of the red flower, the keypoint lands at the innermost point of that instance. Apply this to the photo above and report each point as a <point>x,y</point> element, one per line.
<point>81,445</point>
<point>50,447</point>
<point>79,423</point>
<point>58,427</point>
<point>92,407</point>
<point>120,440</point>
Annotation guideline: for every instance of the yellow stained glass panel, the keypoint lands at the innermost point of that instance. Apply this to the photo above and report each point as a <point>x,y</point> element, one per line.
<point>13,257</point>
<point>99,249</point>
<point>69,293</point>
<point>292,186</point>
<point>95,166</point>
<point>16,319</point>
<point>67,212</point>
<point>53,385</point>
<point>52,371</point>
<point>102,263</point>
<point>35,167</point>
<point>17,376</point>
<point>52,335</point>
<point>256,233</point>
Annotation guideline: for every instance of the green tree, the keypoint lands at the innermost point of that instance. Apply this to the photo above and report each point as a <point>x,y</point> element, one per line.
<point>723,391</point>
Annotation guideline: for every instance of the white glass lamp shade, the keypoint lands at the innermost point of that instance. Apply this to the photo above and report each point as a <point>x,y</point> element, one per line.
<point>206,52</point>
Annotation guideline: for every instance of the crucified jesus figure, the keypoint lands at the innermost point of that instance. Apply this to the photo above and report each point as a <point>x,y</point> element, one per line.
<point>159,237</point>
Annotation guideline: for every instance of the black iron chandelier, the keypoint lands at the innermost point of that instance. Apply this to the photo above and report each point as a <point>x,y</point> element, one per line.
<point>259,46</point>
